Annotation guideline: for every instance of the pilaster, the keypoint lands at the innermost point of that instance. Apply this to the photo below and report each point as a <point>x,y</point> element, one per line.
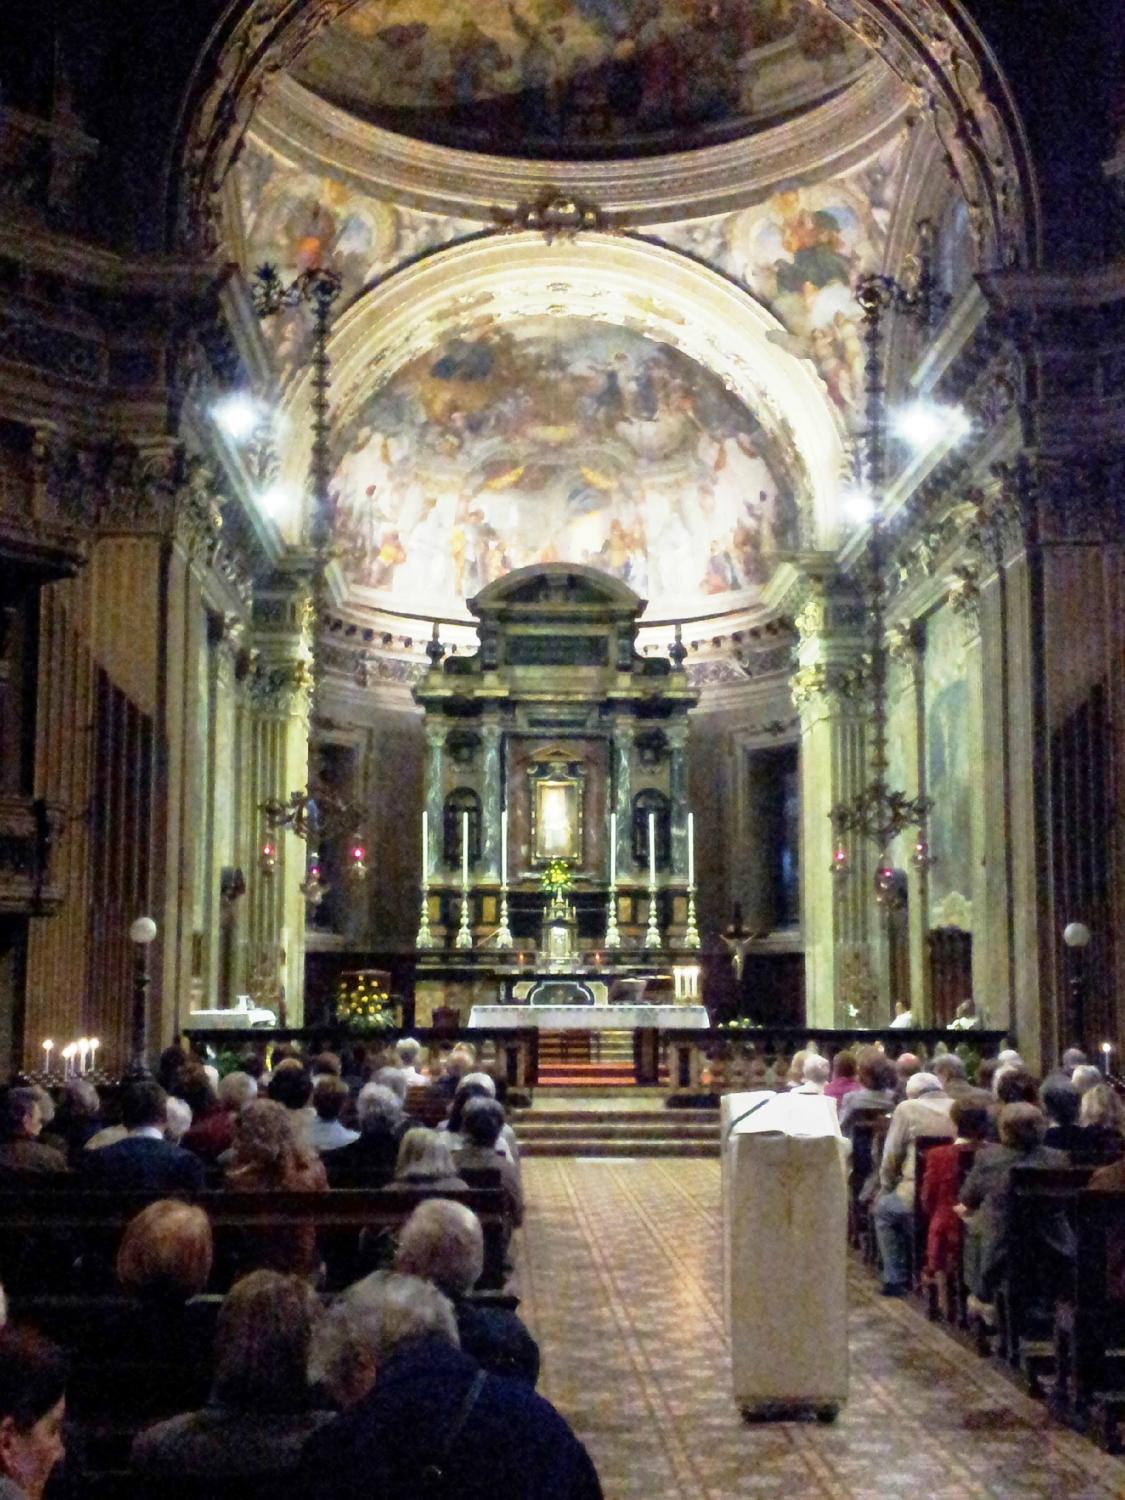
<point>827,690</point>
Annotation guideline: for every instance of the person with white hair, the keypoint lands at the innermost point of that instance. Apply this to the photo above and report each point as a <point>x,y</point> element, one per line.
<point>817,1072</point>
<point>421,1417</point>
<point>924,1112</point>
<point>382,1125</point>
<point>443,1242</point>
<point>178,1121</point>
<point>407,1052</point>
<point>1072,1058</point>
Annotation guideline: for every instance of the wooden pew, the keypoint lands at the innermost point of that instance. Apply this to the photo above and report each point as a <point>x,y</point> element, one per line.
<point>81,1216</point>
<point>1090,1321</point>
<point>1028,1340</point>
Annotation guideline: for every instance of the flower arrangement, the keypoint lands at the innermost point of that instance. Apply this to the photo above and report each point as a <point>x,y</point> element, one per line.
<point>556,879</point>
<point>363,1003</point>
<point>743,1023</point>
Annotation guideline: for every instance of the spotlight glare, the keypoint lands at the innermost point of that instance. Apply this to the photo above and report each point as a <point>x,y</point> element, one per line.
<point>857,505</point>
<point>238,415</point>
<point>276,500</point>
<point>923,424</point>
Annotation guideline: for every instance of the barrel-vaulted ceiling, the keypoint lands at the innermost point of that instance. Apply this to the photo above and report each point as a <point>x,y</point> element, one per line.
<point>668,398</point>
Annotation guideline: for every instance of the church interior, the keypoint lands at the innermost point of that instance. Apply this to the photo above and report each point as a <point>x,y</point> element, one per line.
<point>562,577</point>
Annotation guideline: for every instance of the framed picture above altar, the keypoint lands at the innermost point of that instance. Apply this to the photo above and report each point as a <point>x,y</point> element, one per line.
<point>556,819</point>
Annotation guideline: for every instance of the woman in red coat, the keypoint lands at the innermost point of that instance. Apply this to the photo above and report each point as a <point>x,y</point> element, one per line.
<point>941,1182</point>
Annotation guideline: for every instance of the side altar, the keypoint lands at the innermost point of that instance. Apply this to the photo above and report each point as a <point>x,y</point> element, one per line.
<point>557,859</point>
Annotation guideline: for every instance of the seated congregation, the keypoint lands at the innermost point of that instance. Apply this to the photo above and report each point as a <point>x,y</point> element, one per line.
<point>275,1275</point>
<point>1001,1199</point>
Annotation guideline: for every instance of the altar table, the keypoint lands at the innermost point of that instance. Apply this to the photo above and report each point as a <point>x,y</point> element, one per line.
<point>592,1017</point>
<point>235,1019</point>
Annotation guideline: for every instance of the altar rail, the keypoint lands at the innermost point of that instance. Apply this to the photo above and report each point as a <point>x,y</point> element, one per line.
<point>691,1055</point>
<point>716,1061</point>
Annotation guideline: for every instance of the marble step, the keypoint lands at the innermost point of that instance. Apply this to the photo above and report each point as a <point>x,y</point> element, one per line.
<point>617,1130</point>
<point>624,1146</point>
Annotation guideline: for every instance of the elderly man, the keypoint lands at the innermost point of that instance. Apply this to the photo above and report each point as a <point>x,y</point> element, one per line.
<point>951,1071</point>
<point>407,1052</point>
<point>443,1242</point>
<point>421,1417</point>
<point>924,1111</point>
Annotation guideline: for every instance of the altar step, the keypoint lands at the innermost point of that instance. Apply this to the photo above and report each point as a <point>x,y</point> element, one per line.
<point>617,1132</point>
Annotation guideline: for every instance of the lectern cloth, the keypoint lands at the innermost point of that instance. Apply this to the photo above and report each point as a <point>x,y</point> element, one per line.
<point>785,1235</point>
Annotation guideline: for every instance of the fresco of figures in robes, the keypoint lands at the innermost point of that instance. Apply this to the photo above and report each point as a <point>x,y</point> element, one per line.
<point>580,78</point>
<point>560,440</point>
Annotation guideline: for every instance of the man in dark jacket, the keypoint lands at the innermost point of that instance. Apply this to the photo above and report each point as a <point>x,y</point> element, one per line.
<point>144,1162</point>
<point>422,1418</point>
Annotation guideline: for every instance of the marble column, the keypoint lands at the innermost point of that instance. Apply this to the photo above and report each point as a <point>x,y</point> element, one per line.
<point>490,801</point>
<point>623,734</point>
<point>435,798</point>
<point>677,786</point>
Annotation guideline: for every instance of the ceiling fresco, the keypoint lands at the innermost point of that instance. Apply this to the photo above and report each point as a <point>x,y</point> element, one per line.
<point>580,79</point>
<point>295,219</point>
<point>559,439</point>
<point>801,253</point>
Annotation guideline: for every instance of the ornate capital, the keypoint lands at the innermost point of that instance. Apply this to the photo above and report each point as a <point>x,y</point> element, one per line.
<point>282,688</point>
<point>834,686</point>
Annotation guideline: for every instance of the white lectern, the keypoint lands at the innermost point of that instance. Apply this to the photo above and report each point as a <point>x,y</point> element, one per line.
<point>785,1214</point>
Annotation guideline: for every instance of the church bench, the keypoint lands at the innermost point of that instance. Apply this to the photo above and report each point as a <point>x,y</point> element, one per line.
<point>1090,1319</point>
<point>867,1130</point>
<point>1030,1284</point>
<point>80,1217</point>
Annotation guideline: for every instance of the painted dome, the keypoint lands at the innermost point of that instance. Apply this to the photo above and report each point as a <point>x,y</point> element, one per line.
<point>580,79</point>
<point>556,439</point>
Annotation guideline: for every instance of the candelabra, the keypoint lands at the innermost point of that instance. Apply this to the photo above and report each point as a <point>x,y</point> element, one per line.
<point>612,931</point>
<point>652,931</point>
<point>691,931</point>
<point>880,812</point>
<point>464,938</point>
<point>503,932</point>
<point>425,938</point>
<point>313,811</point>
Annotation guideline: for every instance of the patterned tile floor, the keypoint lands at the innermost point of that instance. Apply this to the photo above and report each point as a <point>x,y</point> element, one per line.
<point>620,1279</point>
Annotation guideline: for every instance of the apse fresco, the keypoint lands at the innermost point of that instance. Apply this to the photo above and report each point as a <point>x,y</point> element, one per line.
<point>579,78</point>
<point>296,219</point>
<point>559,440</point>
<point>801,252</point>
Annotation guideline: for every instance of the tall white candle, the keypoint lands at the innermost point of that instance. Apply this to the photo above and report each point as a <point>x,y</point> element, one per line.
<point>652,848</point>
<point>503,846</point>
<point>691,849</point>
<point>464,848</point>
<point>82,1046</point>
<point>47,1045</point>
<point>613,848</point>
<point>425,846</point>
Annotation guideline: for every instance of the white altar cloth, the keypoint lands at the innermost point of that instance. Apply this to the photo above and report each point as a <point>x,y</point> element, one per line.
<point>785,1213</point>
<point>591,1017</point>
<point>230,1020</point>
